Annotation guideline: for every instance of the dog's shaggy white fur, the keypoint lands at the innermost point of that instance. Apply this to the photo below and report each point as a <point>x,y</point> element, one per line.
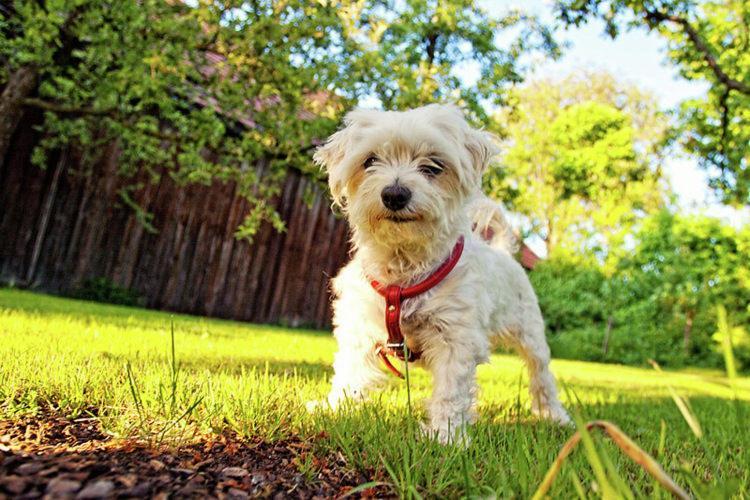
<point>437,159</point>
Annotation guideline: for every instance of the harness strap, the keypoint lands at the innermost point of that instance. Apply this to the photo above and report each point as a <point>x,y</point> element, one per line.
<point>394,296</point>
<point>380,350</point>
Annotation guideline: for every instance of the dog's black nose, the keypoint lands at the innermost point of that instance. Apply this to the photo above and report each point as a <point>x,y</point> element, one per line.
<point>395,197</point>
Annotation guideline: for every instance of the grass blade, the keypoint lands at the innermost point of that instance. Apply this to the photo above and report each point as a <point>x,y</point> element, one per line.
<point>627,445</point>
<point>134,393</point>
<point>682,405</point>
<point>725,332</point>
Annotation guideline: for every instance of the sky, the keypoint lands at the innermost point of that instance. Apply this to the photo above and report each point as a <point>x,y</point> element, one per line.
<point>636,57</point>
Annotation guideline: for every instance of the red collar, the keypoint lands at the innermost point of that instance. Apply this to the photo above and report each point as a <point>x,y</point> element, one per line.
<point>394,296</point>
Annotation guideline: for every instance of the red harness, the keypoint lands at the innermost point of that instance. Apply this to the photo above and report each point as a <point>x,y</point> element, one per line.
<point>394,296</point>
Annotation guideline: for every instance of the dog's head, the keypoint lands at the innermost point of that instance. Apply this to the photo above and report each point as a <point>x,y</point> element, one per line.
<point>405,176</point>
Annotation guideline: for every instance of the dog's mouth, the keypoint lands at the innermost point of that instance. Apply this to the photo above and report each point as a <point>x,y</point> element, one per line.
<point>401,219</point>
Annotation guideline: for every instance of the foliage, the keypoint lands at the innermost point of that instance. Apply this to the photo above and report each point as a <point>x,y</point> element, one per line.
<point>193,92</point>
<point>659,303</point>
<point>708,41</point>
<point>582,160</point>
<point>104,290</point>
<point>569,292</point>
<point>583,306</point>
<point>203,90</point>
<point>418,51</point>
<point>692,264</point>
<point>255,379</point>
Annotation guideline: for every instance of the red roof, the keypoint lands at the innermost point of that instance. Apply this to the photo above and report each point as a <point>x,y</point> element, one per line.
<point>527,257</point>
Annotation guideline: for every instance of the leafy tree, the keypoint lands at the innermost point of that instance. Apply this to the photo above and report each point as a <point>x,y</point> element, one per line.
<point>708,41</point>
<point>196,91</point>
<point>582,160</point>
<point>200,90</point>
<point>420,51</point>
<point>660,302</point>
<point>692,264</point>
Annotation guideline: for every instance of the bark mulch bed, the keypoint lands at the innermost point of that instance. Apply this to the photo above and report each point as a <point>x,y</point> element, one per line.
<point>52,457</point>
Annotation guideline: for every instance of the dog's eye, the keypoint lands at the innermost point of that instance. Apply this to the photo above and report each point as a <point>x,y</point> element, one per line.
<point>369,162</point>
<point>431,170</point>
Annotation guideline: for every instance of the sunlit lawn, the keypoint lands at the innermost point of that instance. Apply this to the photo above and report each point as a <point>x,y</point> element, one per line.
<point>116,362</point>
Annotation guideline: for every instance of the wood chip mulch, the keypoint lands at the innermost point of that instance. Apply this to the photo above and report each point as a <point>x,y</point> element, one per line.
<point>52,457</point>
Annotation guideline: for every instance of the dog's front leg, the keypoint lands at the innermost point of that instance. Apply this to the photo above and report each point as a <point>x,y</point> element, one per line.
<point>355,372</point>
<point>451,407</point>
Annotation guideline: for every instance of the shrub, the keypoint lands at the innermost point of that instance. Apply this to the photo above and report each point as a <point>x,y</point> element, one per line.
<point>104,290</point>
<point>570,294</point>
<point>583,343</point>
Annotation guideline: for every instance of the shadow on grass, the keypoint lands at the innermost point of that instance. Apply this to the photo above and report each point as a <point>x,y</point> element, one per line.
<point>234,366</point>
<point>237,366</point>
<point>118,315</point>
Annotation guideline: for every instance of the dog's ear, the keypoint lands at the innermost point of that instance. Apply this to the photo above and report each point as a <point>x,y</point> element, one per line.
<point>332,155</point>
<point>482,146</point>
<point>329,156</point>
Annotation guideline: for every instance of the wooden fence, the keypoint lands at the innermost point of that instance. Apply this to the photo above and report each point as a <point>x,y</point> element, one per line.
<point>59,227</point>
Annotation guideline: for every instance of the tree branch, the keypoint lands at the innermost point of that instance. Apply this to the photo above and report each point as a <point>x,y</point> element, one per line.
<point>431,45</point>
<point>112,112</point>
<point>65,110</point>
<point>654,17</point>
<point>724,122</point>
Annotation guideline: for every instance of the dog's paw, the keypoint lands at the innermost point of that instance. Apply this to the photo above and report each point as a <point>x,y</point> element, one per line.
<point>317,405</point>
<point>446,435</point>
<point>555,414</point>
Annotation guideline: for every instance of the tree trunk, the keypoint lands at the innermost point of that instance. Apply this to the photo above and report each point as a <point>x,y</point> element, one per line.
<point>689,315</point>
<point>21,83</point>
<point>608,334</point>
<point>549,238</point>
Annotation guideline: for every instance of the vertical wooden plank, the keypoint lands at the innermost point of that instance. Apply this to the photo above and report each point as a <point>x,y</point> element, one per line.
<point>193,264</point>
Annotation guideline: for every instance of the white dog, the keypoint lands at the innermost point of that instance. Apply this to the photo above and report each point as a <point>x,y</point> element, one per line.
<point>410,184</point>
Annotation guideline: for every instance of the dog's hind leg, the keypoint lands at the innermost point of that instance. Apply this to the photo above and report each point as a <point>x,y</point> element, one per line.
<point>532,347</point>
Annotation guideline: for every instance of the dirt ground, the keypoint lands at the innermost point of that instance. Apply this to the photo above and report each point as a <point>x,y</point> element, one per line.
<point>47,456</point>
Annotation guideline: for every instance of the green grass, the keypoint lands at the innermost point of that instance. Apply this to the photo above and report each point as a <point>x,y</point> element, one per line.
<point>118,363</point>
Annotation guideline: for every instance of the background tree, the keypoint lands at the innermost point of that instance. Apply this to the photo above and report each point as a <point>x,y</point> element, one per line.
<point>659,302</point>
<point>196,92</point>
<point>599,316</point>
<point>421,51</point>
<point>693,264</point>
<point>200,91</point>
<point>582,160</point>
<point>570,293</point>
<point>708,41</point>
